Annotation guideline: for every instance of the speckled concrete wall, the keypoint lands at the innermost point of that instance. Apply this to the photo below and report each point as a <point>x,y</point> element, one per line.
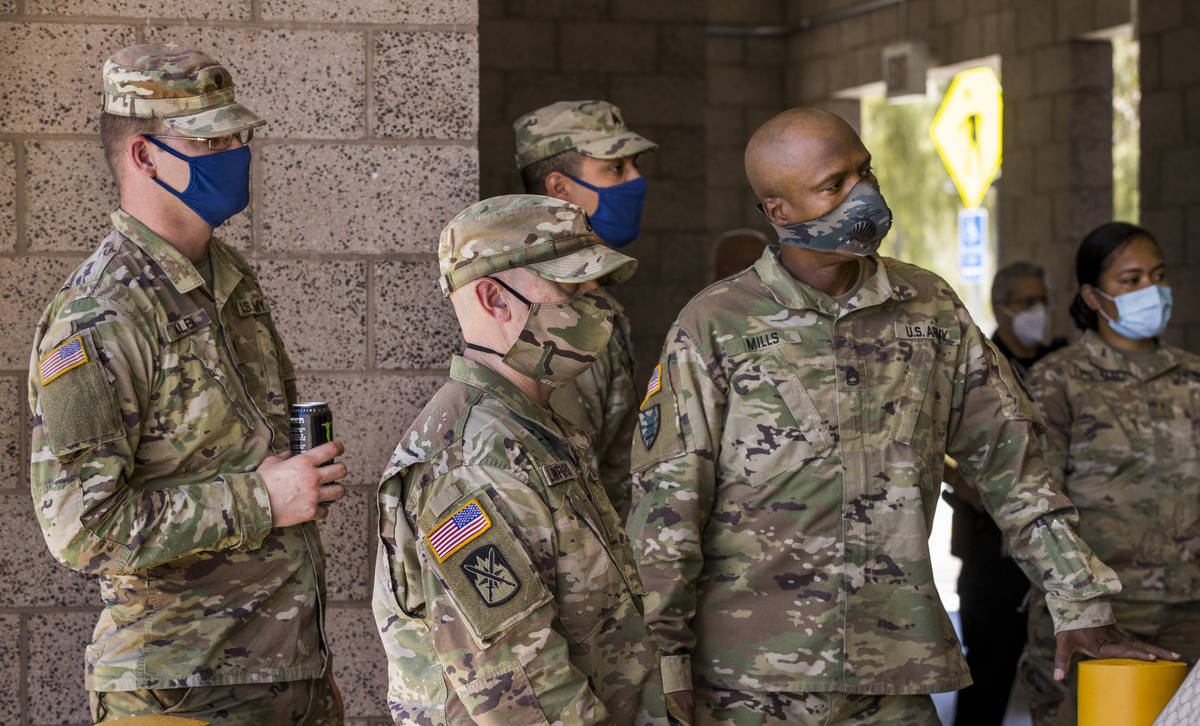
<point>647,57</point>
<point>371,147</point>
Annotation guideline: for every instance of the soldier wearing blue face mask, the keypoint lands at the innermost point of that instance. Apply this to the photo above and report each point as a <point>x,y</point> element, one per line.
<point>160,388</point>
<point>1122,412</point>
<point>582,152</point>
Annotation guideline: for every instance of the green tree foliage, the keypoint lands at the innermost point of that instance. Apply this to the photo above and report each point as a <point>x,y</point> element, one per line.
<point>922,195</point>
<point>1127,97</point>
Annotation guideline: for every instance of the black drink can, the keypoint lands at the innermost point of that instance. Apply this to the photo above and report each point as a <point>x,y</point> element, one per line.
<point>311,425</point>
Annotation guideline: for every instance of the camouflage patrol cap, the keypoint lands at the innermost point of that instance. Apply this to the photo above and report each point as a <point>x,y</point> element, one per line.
<point>551,238</point>
<point>190,92</point>
<point>593,128</point>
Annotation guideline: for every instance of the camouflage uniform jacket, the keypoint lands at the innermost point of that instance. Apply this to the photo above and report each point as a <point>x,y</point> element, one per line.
<point>143,469</point>
<point>787,467</point>
<point>506,591</point>
<point>1122,441</point>
<point>603,404</point>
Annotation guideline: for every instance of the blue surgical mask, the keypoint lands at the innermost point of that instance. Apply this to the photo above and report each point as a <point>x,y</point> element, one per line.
<point>1142,313</point>
<point>618,218</point>
<point>219,185</point>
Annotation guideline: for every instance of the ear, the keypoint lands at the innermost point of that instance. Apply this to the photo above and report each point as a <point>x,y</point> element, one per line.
<point>558,186</point>
<point>137,156</point>
<point>1090,296</point>
<point>491,300</point>
<point>774,209</point>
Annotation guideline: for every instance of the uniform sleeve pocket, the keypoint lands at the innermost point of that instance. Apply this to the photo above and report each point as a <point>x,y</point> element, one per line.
<point>75,398</point>
<point>484,566</point>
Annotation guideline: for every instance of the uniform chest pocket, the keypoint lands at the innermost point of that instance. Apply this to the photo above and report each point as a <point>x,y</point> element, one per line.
<point>193,409</point>
<point>250,330</point>
<point>906,404</point>
<point>589,584</point>
<point>771,422</point>
<point>1103,443</point>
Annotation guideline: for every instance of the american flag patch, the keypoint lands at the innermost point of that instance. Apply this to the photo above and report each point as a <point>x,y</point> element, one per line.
<point>655,384</point>
<point>62,359</point>
<point>467,523</point>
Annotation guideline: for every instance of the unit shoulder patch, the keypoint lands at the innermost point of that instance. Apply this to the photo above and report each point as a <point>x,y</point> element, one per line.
<point>659,419</point>
<point>493,579</point>
<point>648,425</point>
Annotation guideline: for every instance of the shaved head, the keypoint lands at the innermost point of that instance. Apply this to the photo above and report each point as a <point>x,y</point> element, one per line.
<point>802,163</point>
<point>796,140</point>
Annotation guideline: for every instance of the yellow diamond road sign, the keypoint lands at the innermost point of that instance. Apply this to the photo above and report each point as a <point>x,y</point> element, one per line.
<point>967,132</point>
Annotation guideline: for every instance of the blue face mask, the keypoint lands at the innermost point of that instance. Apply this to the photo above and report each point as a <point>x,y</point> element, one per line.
<point>1142,313</point>
<point>618,219</point>
<point>219,184</point>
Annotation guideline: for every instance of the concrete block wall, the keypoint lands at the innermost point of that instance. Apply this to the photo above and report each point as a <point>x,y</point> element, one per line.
<point>648,59</point>
<point>1169,31</point>
<point>370,149</point>
<point>746,86</point>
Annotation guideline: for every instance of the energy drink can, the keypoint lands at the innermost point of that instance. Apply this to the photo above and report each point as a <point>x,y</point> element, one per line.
<point>311,425</point>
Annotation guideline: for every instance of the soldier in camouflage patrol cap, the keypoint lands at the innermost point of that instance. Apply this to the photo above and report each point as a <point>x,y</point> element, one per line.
<point>593,128</point>
<point>160,389</point>
<point>191,93</point>
<point>789,458</point>
<point>505,588</point>
<point>583,152</point>
<point>1123,421</point>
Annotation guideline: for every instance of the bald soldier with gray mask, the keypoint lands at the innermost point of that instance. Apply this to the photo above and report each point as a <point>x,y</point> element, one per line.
<point>789,457</point>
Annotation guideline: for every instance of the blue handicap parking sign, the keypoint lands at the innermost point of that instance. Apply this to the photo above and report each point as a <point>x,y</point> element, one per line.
<point>972,243</point>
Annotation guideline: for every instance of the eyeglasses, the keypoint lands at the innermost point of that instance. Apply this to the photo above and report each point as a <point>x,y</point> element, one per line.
<point>219,143</point>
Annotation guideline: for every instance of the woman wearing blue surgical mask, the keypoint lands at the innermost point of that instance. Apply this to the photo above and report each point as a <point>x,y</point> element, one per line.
<point>1122,410</point>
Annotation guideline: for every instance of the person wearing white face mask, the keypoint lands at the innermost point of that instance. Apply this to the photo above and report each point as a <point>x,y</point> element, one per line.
<point>1019,300</point>
<point>1122,411</point>
<point>991,586</point>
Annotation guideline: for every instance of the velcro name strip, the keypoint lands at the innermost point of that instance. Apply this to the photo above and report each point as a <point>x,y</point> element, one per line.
<point>558,471</point>
<point>186,325</point>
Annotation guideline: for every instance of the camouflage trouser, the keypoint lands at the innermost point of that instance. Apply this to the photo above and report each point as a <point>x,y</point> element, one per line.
<point>1175,626</point>
<point>307,703</point>
<point>718,706</point>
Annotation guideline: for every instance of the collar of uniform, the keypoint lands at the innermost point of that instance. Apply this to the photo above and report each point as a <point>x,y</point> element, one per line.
<point>178,269</point>
<point>226,272</point>
<point>1103,355</point>
<point>792,293</point>
<point>480,376</point>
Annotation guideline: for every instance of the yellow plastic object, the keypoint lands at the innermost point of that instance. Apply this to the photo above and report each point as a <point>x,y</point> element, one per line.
<point>1126,692</point>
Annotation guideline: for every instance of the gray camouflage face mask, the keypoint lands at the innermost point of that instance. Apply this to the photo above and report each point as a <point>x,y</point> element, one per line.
<point>857,225</point>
